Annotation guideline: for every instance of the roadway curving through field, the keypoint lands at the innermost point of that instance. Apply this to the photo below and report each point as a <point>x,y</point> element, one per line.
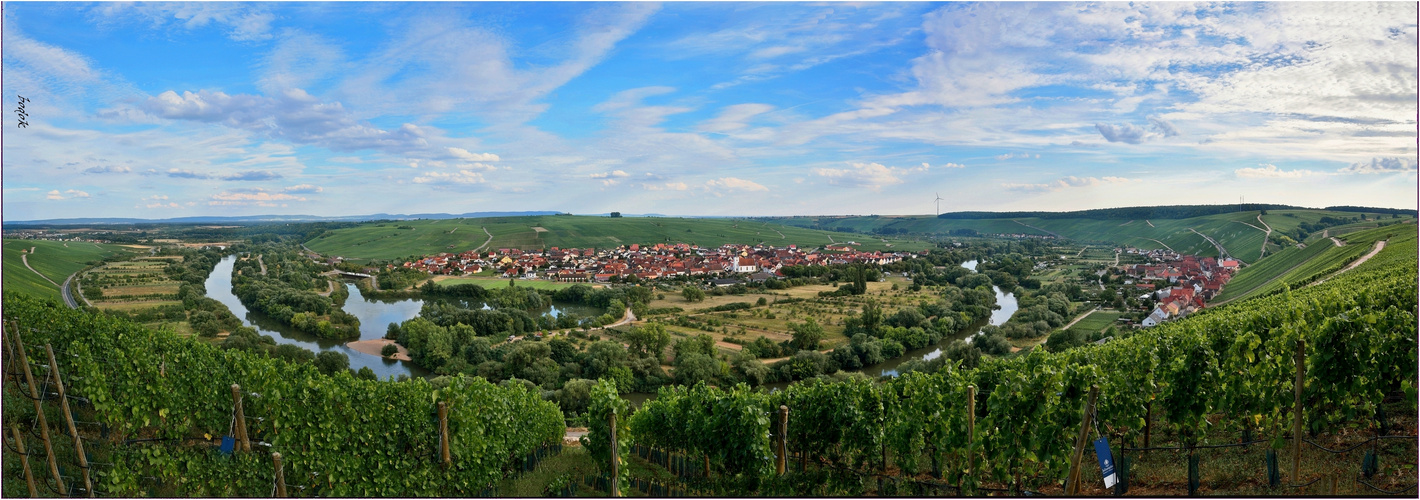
<point>1380,245</point>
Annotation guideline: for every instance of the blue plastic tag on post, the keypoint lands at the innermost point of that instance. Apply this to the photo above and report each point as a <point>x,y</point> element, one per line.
<point>227,444</point>
<point>1106,462</point>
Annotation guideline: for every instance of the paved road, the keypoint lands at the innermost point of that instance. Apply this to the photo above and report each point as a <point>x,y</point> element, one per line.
<point>64,291</point>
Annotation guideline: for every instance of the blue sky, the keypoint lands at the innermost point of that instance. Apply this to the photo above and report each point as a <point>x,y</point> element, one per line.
<point>163,110</point>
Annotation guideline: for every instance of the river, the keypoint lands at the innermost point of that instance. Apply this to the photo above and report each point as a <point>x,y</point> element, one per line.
<point>375,316</point>
<point>1008,305</point>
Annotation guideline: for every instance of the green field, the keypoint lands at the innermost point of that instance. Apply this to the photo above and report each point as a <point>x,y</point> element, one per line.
<point>1096,321</point>
<point>1294,264</point>
<point>395,240</point>
<point>55,259</point>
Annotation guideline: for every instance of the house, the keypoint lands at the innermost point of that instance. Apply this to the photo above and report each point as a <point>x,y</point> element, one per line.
<point>746,265</point>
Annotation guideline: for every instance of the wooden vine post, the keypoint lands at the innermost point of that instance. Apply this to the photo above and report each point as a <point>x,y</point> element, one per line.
<point>1072,484</point>
<point>35,396</point>
<point>69,419</point>
<point>280,475</point>
<point>444,434</point>
<point>783,447</point>
<point>970,427</point>
<point>24,460</point>
<point>1297,411</point>
<point>615,459</point>
<point>243,441</point>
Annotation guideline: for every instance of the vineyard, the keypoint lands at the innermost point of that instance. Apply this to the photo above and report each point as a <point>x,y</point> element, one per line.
<point>1228,372</point>
<point>151,410</point>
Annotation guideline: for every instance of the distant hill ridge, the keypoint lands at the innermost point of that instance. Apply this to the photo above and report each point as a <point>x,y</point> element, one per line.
<point>274,218</point>
<point>1160,212</point>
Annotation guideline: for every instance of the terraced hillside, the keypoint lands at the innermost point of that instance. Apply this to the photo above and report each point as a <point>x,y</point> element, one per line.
<point>1241,234</point>
<point>1297,266</point>
<point>399,239</point>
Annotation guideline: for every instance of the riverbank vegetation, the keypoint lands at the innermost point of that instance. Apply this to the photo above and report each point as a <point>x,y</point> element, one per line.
<point>286,285</point>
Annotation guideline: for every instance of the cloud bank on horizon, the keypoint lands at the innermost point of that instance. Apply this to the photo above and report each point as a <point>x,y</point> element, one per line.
<point>160,110</point>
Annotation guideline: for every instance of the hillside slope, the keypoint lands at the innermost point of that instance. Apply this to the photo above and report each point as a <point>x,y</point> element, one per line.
<point>390,240</point>
<point>1241,234</point>
<point>55,260</point>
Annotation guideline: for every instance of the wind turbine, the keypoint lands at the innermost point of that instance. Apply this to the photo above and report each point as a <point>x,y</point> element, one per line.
<point>939,203</point>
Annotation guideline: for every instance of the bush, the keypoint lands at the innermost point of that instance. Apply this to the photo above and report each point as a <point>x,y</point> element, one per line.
<point>389,350</point>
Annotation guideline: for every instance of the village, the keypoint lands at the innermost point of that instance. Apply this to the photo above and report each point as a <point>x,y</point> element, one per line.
<point>1194,282</point>
<point>646,262</point>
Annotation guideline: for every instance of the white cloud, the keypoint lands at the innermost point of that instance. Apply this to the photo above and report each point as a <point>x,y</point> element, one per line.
<point>733,184</point>
<point>76,193</point>
<point>1381,166</point>
<point>303,188</point>
<point>1022,155</point>
<point>669,186</point>
<point>1270,171</point>
<point>733,118</point>
<point>613,173</point>
<point>54,195</point>
<point>463,154</point>
<point>460,177</point>
<point>1069,182</point>
<point>255,196</point>
<point>476,69</point>
<point>108,169</point>
<point>295,116</point>
<point>244,22</point>
<point>872,175</point>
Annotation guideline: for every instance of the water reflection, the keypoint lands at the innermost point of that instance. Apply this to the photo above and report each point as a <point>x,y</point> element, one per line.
<point>374,314</point>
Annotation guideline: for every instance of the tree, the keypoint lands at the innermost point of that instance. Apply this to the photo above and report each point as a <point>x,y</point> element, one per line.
<point>648,340</point>
<point>695,368</point>
<point>389,350</point>
<point>575,395</point>
<point>366,373</point>
<point>807,335</point>
<point>700,344</point>
<point>332,362</point>
<point>692,293</point>
<point>616,214</point>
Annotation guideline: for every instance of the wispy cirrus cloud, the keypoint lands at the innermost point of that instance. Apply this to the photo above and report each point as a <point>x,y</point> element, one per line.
<point>1068,183</point>
<point>1381,166</point>
<point>871,175</point>
<point>727,184</point>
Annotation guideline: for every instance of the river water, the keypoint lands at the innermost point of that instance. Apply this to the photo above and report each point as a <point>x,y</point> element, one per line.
<point>1008,305</point>
<point>375,316</point>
